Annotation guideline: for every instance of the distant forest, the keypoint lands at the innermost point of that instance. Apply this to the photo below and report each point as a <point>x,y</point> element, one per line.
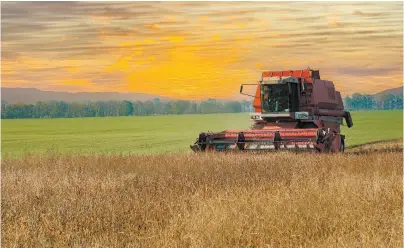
<point>368,102</point>
<point>60,109</point>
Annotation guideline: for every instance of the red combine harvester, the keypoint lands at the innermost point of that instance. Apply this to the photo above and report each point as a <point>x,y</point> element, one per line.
<point>294,110</point>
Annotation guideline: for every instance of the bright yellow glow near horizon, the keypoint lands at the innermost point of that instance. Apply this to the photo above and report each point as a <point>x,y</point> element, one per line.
<point>195,50</point>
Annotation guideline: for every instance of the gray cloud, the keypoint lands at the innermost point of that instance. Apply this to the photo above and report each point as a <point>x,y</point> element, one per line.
<point>368,14</point>
<point>360,71</point>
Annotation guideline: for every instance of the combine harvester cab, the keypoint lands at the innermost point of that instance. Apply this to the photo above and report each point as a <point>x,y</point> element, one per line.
<point>294,110</point>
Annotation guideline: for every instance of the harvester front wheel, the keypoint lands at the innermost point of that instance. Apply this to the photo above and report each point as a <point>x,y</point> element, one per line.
<point>320,136</point>
<point>277,139</point>
<point>202,141</point>
<point>240,141</point>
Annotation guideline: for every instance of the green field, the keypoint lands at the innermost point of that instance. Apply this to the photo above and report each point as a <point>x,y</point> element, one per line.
<point>159,133</point>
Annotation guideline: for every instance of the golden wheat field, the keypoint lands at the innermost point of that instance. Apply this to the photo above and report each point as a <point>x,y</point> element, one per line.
<point>210,200</point>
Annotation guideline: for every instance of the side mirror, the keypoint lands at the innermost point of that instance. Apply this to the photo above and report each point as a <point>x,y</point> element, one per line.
<point>241,89</point>
<point>348,119</point>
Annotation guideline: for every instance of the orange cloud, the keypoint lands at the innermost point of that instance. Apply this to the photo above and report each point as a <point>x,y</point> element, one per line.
<point>76,82</point>
<point>174,39</point>
<point>152,26</point>
<point>123,63</point>
<point>34,63</point>
<point>73,69</point>
<point>335,23</point>
<point>241,25</point>
<point>149,41</point>
<point>131,43</point>
<point>170,20</point>
<point>216,38</point>
<point>8,67</point>
<point>104,20</point>
<point>187,73</point>
<point>265,23</point>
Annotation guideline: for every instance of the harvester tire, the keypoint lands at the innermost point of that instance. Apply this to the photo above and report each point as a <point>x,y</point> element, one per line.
<point>202,140</point>
<point>327,141</point>
<point>342,145</point>
<point>277,139</point>
<point>240,141</point>
<point>320,136</point>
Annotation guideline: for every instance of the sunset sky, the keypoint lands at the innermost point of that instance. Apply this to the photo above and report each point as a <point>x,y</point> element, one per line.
<point>195,50</point>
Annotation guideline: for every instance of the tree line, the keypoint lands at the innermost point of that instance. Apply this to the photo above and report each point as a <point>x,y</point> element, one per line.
<point>60,109</point>
<point>368,102</point>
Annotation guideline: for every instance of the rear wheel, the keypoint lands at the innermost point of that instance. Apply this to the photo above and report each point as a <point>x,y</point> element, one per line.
<point>342,145</point>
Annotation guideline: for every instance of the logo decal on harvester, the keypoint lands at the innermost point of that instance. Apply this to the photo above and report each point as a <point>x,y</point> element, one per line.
<point>302,115</point>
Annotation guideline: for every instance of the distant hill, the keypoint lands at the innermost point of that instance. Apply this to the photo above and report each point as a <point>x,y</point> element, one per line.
<point>32,95</point>
<point>395,91</point>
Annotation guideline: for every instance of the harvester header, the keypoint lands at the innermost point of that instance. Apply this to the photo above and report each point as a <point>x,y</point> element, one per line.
<point>294,109</point>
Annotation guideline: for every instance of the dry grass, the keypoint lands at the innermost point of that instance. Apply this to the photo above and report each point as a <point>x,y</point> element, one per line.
<point>378,146</point>
<point>217,200</point>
